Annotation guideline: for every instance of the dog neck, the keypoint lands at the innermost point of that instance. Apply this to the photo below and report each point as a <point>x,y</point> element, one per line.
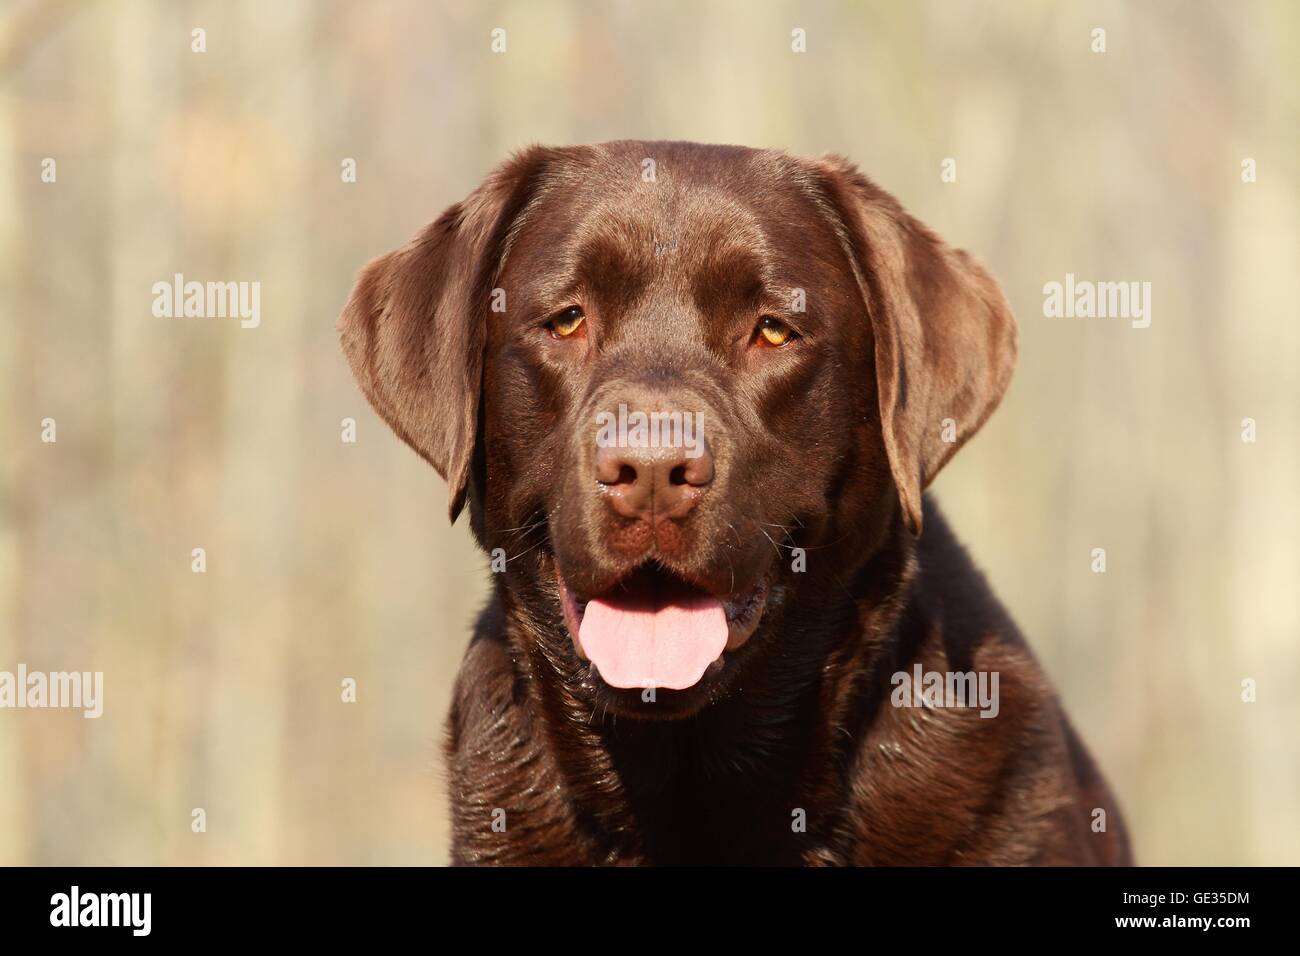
<point>777,743</point>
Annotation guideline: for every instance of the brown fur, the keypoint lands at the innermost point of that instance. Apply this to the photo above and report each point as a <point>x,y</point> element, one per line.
<point>826,445</point>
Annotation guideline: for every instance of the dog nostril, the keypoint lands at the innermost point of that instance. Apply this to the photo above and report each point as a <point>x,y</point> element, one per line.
<point>677,476</point>
<point>626,475</point>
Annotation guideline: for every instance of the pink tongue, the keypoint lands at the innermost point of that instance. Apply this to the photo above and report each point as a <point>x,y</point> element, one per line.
<point>653,642</point>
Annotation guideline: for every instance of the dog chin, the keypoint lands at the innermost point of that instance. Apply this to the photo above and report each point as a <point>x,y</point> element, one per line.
<point>656,645</point>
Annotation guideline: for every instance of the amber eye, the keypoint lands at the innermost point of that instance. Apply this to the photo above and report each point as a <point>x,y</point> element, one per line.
<point>775,332</point>
<point>566,323</point>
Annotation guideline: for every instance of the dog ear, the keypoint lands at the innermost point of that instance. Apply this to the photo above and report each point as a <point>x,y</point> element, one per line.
<point>945,338</point>
<point>414,328</point>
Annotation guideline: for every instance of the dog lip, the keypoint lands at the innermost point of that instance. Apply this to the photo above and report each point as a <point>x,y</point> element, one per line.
<point>735,603</point>
<point>743,606</point>
<point>744,612</point>
<point>574,608</point>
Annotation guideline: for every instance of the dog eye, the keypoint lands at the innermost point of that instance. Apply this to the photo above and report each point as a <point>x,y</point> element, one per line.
<point>774,332</point>
<point>566,323</point>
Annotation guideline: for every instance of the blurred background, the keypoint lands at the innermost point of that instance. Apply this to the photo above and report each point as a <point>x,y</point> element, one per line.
<point>328,560</point>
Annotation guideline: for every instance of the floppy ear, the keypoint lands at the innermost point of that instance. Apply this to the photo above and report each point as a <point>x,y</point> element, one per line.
<point>414,328</point>
<point>945,338</point>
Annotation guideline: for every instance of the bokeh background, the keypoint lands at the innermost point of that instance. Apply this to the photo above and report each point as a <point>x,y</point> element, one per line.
<point>329,560</point>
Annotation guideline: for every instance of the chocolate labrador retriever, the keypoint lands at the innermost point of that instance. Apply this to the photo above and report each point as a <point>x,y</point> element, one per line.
<point>693,396</point>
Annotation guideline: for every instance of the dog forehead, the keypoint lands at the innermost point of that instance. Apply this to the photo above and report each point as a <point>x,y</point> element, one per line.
<point>612,199</point>
<point>602,217</point>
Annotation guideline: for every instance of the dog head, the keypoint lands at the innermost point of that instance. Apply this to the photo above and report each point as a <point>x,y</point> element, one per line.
<point>677,384</point>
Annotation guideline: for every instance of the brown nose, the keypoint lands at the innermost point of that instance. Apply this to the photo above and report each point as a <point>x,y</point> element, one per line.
<point>653,483</point>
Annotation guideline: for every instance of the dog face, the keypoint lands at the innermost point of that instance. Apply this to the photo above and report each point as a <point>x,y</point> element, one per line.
<point>685,390</point>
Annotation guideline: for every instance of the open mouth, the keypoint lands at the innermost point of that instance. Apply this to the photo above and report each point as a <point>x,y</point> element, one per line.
<point>654,629</point>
